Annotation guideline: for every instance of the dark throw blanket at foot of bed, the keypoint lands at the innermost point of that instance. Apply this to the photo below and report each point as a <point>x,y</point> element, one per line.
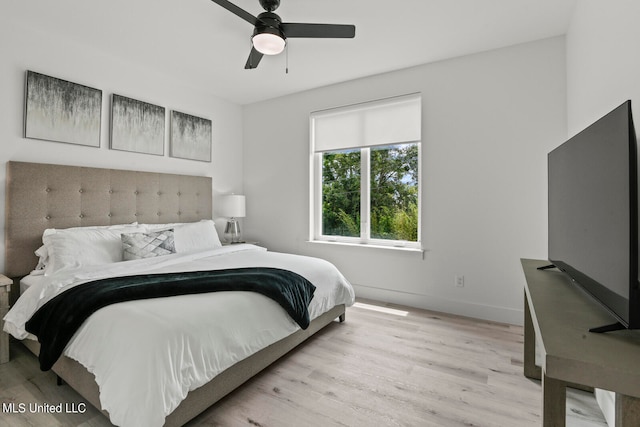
<point>57,321</point>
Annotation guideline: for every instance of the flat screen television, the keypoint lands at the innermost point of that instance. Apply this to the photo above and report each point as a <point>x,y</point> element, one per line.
<point>593,214</point>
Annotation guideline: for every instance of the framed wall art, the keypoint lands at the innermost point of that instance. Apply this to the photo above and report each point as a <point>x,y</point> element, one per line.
<point>190,137</point>
<point>61,111</point>
<point>137,126</point>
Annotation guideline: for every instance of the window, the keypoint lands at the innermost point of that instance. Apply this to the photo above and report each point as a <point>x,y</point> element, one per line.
<point>366,173</point>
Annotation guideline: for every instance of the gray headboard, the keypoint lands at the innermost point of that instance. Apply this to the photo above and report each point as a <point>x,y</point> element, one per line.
<point>41,196</point>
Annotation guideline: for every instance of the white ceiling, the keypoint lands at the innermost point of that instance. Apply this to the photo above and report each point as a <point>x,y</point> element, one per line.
<point>206,45</point>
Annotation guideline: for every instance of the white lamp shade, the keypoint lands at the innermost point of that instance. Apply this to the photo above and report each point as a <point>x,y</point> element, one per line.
<point>268,44</point>
<point>232,206</point>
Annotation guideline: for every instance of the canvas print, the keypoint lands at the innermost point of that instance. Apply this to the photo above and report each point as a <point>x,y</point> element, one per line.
<point>137,126</point>
<point>62,111</point>
<point>190,137</point>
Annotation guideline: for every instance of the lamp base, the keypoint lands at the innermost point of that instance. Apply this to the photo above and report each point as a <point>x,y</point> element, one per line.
<point>232,231</point>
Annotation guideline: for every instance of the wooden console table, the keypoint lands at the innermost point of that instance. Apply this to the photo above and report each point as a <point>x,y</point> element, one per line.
<point>560,315</point>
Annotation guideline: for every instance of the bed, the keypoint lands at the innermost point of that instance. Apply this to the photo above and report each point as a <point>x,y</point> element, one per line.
<point>258,331</point>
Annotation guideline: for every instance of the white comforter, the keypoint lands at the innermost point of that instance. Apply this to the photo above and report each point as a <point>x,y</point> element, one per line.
<point>147,355</point>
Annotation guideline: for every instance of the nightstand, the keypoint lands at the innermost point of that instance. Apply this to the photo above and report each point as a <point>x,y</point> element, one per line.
<point>251,242</point>
<point>5,288</point>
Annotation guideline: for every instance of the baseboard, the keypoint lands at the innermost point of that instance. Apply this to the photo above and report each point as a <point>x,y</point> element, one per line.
<point>436,303</point>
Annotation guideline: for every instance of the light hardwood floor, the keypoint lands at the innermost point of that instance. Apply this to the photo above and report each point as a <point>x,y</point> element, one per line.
<point>376,369</point>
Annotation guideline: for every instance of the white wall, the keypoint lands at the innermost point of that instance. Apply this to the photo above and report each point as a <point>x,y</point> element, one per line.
<point>603,63</point>
<point>603,70</point>
<point>25,48</point>
<point>488,122</point>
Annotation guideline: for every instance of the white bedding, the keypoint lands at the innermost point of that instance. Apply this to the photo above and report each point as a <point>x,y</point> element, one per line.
<point>27,281</point>
<point>183,341</point>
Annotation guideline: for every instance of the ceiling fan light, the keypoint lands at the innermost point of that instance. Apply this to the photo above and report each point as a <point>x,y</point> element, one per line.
<point>268,43</point>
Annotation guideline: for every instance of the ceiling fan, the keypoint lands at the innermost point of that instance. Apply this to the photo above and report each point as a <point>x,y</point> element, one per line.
<point>270,33</point>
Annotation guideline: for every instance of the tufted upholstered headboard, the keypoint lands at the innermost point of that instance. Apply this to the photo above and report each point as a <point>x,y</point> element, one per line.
<point>41,196</point>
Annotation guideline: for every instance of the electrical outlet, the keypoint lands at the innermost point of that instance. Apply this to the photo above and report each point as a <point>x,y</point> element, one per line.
<point>459,281</point>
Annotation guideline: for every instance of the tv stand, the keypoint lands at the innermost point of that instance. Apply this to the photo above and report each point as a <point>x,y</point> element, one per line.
<point>608,328</point>
<point>560,315</point>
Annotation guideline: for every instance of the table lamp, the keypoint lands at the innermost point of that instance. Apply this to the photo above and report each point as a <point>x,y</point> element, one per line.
<point>232,206</point>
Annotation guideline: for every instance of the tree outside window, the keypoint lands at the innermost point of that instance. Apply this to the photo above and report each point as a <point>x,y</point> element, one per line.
<point>393,192</point>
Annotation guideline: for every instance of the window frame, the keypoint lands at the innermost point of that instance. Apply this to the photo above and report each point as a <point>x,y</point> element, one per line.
<point>316,186</point>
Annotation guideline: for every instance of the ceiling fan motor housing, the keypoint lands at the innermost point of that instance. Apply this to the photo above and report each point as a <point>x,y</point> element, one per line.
<point>268,22</point>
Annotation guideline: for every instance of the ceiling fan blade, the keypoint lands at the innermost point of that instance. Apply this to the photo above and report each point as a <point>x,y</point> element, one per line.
<point>253,60</point>
<point>318,30</point>
<point>237,11</point>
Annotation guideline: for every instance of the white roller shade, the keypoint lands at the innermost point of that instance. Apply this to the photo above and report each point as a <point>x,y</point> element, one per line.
<point>384,122</point>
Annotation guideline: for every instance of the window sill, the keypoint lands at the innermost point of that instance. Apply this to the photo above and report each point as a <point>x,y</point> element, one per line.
<point>370,246</point>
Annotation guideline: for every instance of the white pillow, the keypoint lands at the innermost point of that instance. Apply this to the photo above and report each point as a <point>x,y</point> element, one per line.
<point>90,227</point>
<point>43,253</point>
<point>43,257</point>
<point>80,247</point>
<point>161,227</point>
<point>191,236</point>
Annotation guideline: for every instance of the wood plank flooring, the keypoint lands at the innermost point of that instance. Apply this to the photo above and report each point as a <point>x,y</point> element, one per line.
<point>376,369</point>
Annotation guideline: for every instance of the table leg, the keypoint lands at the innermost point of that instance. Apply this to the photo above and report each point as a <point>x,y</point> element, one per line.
<point>627,411</point>
<point>530,369</point>
<point>554,402</point>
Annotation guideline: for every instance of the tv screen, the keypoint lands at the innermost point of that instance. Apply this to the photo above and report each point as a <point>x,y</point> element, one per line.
<point>593,213</point>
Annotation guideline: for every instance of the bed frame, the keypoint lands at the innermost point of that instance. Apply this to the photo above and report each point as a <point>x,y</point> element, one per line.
<point>41,196</point>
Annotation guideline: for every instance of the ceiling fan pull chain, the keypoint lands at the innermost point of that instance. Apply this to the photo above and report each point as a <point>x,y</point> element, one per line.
<point>287,59</point>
